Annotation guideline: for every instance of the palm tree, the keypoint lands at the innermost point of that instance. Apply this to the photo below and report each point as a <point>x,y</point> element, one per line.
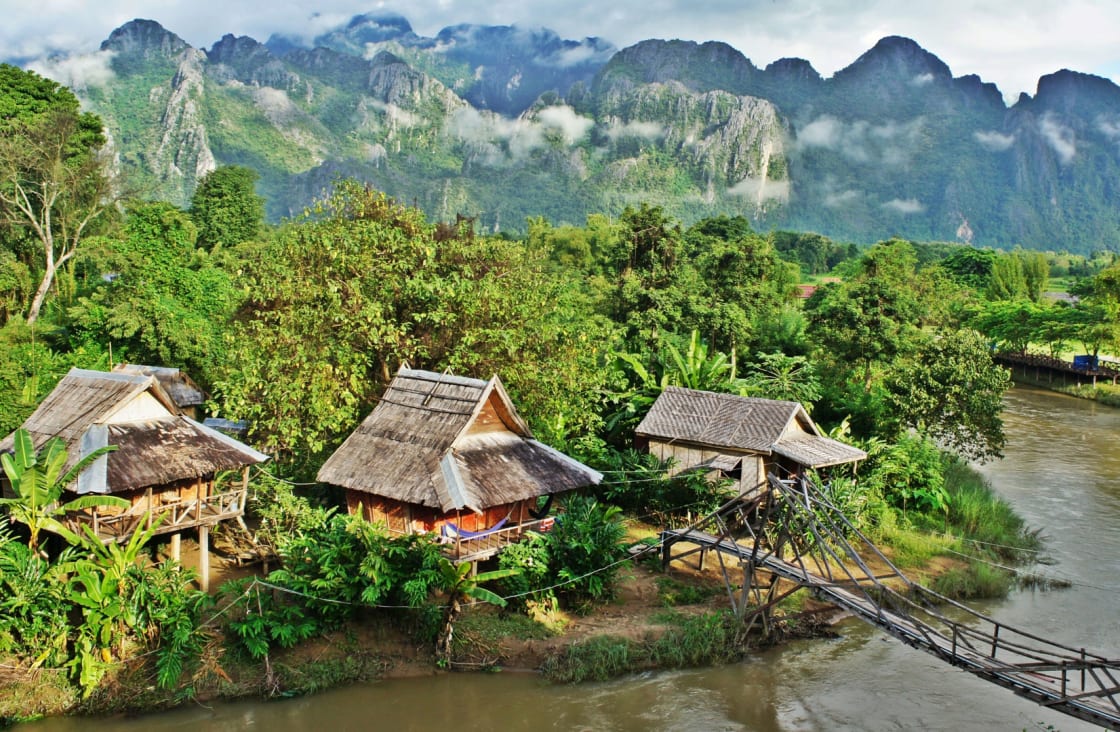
<point>38,482</point>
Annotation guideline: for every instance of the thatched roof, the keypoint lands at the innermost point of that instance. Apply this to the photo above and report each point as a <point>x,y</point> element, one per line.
<point>748,424</point>
<point>450,442</point>
<point>155,444</point>
<point>181,388</point>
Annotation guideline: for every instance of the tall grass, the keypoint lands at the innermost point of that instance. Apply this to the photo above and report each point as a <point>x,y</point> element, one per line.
<point>697,640</point>
<point>980,516</point>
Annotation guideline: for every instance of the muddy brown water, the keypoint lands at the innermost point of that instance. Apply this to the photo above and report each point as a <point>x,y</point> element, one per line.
<point>1061,472</point>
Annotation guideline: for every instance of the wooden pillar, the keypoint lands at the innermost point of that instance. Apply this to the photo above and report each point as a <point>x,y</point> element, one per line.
<point>176,547</point>
<point>204,558</point>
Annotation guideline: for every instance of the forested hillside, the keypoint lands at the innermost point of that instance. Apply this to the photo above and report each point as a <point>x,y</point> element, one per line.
<point>502,124</point>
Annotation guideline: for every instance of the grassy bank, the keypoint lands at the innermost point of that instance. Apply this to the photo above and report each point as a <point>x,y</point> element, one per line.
<point>979,534</point>
<point>689,641</point>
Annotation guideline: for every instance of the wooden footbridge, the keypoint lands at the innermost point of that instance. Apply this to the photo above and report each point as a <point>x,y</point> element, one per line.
<point>790,531</point>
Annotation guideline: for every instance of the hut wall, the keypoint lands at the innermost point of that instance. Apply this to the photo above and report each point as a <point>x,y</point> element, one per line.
<point>490,418</point>
<point>753,469</point>
<point>143,407</point>
<point>407,518</point>
<point>393,514</point>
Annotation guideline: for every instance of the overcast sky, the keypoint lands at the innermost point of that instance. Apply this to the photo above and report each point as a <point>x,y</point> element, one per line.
<point>1009,42</point>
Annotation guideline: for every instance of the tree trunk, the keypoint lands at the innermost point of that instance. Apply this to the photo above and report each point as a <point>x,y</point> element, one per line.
<point>41,294</point>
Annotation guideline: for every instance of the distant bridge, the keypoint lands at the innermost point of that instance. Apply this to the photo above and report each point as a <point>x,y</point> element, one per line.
<point>790,531</point>
<point>1039,368</point>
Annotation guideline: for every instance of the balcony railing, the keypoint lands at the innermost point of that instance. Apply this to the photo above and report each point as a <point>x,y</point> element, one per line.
<point>166,517</point>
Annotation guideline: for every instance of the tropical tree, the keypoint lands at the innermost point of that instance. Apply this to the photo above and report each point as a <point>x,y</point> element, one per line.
<point>789,378</point>
<point>950,391</point>
<point>226,207</point>
<point>694,367</point>
<point>168,302</point>
<point>1007,281</point>
<point>38,481</point>
<point>871,318</point>
<point>54,186</point>
<point>339,300</point>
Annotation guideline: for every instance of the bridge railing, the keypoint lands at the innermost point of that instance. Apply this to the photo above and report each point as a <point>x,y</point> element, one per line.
<point>821,540</point>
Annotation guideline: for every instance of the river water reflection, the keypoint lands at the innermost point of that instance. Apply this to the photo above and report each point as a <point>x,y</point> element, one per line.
<point>1062,474</point>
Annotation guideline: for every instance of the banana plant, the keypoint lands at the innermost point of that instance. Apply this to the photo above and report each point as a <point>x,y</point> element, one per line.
<point>458,582</point>
<point>38,481</point>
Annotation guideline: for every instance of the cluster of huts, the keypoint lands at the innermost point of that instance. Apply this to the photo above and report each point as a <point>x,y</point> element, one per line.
<point>439,453</point>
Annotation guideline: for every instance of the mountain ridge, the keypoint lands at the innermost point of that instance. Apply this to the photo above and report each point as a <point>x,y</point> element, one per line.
<point>503,123</point>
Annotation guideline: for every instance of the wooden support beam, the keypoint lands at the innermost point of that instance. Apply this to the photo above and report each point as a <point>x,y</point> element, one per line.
<point>204,558</point>
<point>176,547</point>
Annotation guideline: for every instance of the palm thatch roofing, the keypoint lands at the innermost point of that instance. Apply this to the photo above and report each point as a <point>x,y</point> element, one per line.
<point>745,424</point>
<point>156,445</point>
<point>451,443</point>
<point>181,388</point>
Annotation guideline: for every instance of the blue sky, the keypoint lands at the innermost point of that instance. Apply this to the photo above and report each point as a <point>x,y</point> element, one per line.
<point>1010,43</point>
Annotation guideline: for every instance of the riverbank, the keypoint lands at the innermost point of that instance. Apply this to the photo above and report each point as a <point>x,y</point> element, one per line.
<point>1102,393</point>
<point>656,620</point>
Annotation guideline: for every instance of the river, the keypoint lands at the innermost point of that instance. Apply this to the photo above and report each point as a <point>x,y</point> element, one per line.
<point>1061,474</point>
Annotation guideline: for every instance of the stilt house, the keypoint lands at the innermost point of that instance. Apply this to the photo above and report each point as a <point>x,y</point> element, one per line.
<point>450,455</point>
<point>741,438</point>
<point>165,464</point>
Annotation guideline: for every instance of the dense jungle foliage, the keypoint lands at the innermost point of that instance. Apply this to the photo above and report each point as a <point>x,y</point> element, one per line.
<point>297,328</point>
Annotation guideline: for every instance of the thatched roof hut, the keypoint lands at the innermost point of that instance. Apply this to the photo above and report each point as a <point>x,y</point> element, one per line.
<point>156,444</point>
<point>746,436</point>
<point>165,464</point>
<point>439,448</point>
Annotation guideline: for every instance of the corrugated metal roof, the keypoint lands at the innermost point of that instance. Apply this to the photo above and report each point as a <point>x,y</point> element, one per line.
<point>424,418</point>
<point>150,452</point>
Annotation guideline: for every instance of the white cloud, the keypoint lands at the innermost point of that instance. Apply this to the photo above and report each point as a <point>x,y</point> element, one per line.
<point>395,115</point>
<point>565,119</point>
<point>1109,126</point>
<point>921,79</point>
<point>575,56</point>
<point>78,72</point>
<point>905,206</point>
<point>840,199</point>
<point>994,141</point>
<point>1059,137</point>
<point>889,143</point>
<point>642,130</point>
<point>761,190</point>
<point>824,131</point>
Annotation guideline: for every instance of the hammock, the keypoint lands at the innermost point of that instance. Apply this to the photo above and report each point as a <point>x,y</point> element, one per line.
<point>451,531</point>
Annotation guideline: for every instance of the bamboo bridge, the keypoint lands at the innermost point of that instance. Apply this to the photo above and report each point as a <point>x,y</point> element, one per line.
<point>790,531</point>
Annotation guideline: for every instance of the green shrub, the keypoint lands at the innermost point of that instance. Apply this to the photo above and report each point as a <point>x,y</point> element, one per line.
<point>586,546</point>
<point>908,474</point>
<point>531,557</point>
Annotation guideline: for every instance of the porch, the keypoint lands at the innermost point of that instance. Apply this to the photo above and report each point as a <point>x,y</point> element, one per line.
<point>167,516</point>
<point>482,545</point>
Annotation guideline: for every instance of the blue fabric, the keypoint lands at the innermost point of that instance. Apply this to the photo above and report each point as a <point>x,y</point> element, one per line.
<point>451,531</point>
